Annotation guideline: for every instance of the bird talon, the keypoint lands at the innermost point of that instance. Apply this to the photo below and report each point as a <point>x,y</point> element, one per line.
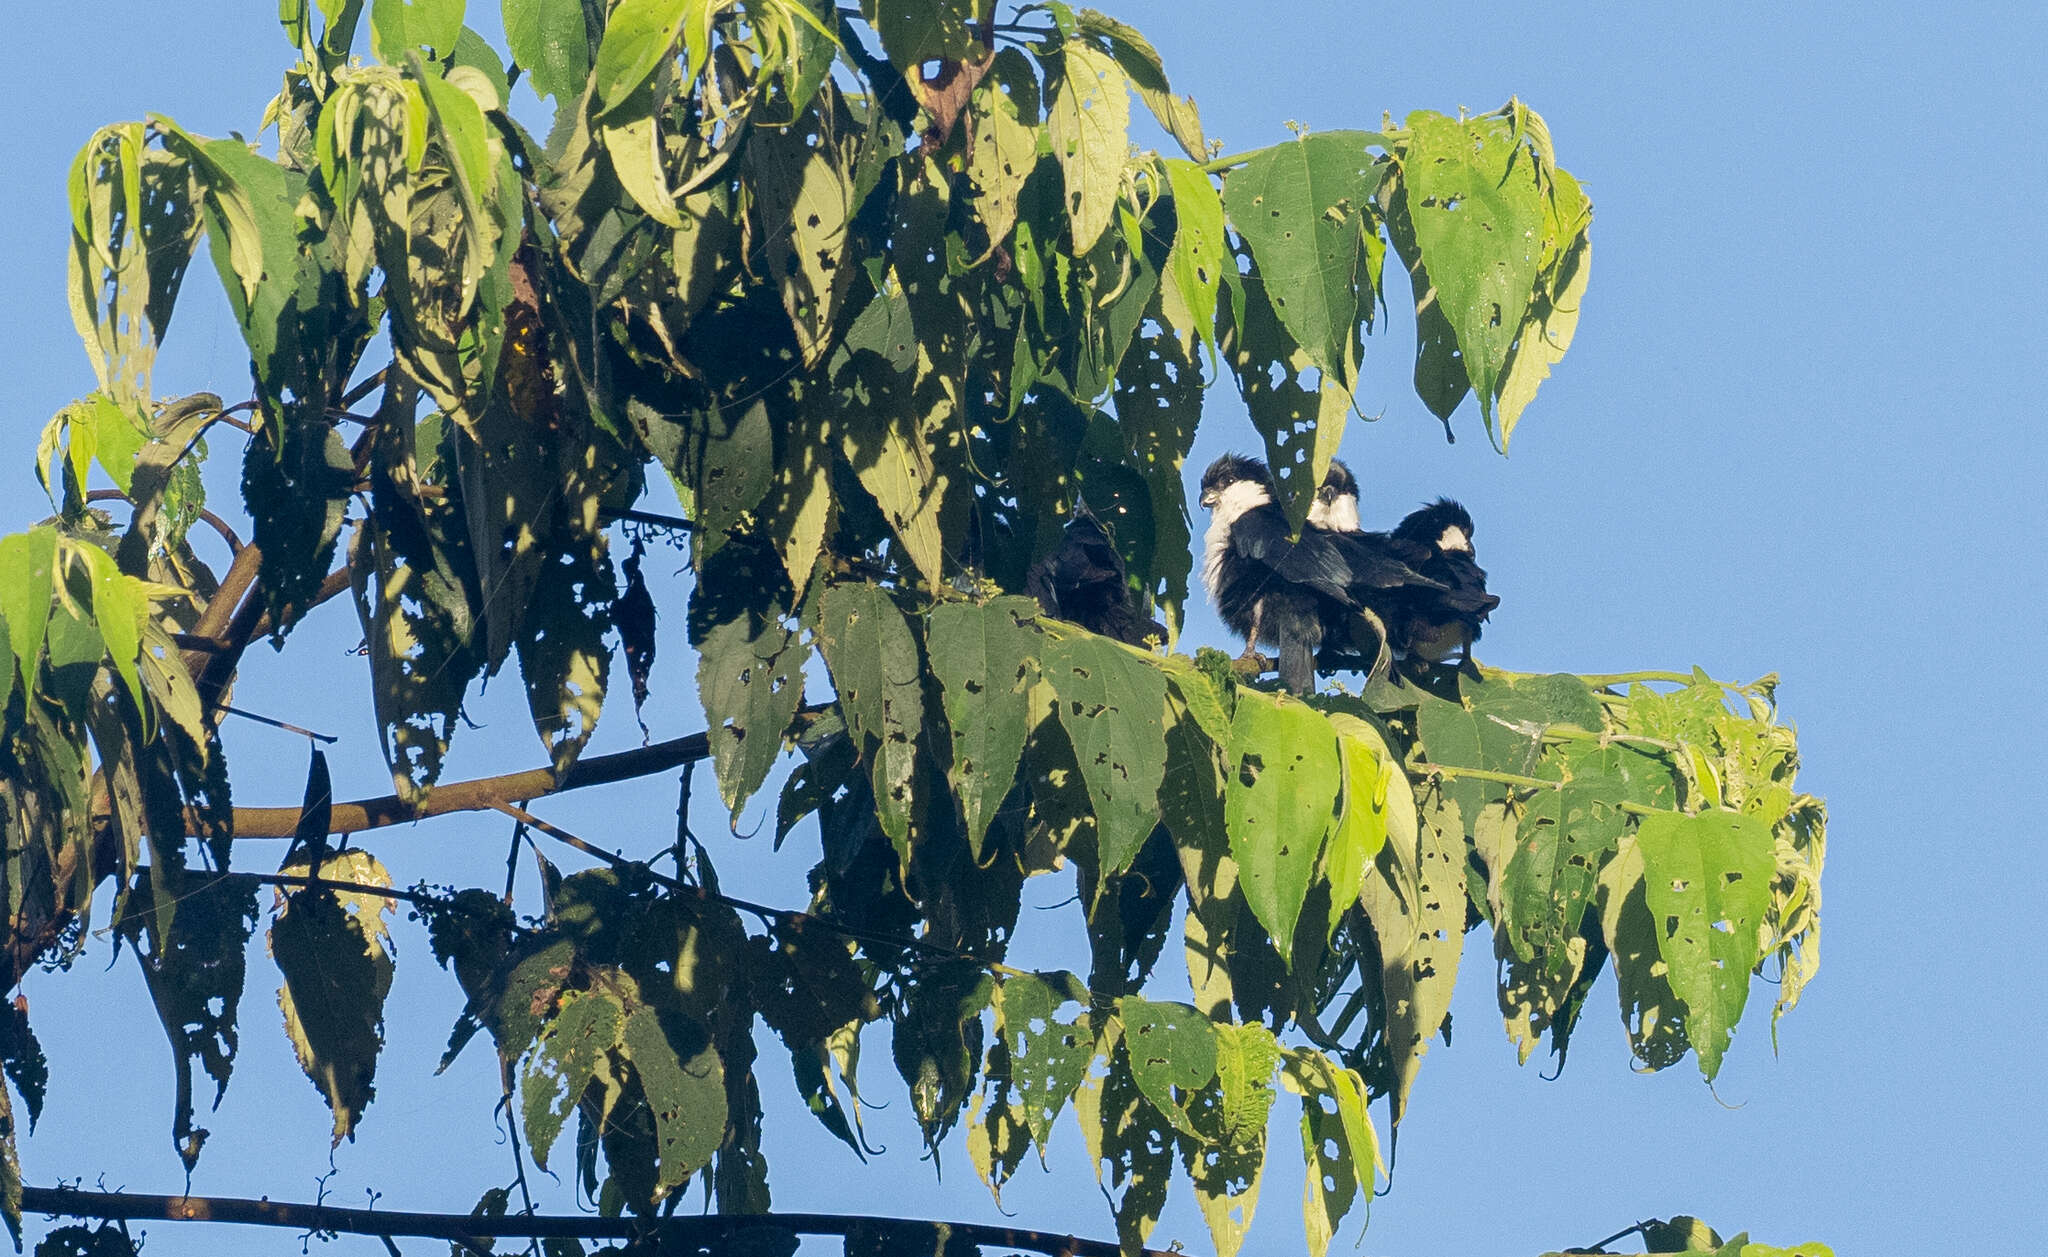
<point>1249,664</point>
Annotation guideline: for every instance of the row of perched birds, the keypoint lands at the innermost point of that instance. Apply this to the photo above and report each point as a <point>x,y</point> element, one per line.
<point>1336,596</point>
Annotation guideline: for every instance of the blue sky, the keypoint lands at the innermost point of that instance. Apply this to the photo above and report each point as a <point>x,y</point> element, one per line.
<point>1801,430</point>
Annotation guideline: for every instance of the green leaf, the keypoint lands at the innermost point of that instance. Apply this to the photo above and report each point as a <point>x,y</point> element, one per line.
<point>397,27</point>
<point>1141,62</point>
<point>584,1029</point>
<point>1707,879</point>
<point>805,201</point>
<point>638,35</point>
<point>1004,155</point>
<point>1200,248</point>
<point>1225,1164</point>
<point>548,40</point>
<point>1369,768</point>
<point>1280,799</point>
<point>564,656</point>
<point>335,954</point>
<point>1300,409</point>
<point>1048,1057</point>
<point>120,610</point>
<point>1171,1046</point>
<point>916,31</point>
<point>1421,966</point>
<point>1553,317</point>
<point>750,673</point>
<point>1333,1177</point>
<point>982,657</point>
<point>685,1087</point>
<point>1089,124</point>
<point>1111,700</point>
<point>875,669</point>
<point>1302,207</point>
<point>28,562</point>
<point>1476,201</point>
<point>894,463</point>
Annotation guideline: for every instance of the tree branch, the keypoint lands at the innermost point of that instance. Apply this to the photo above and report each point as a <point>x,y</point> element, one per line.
<point>483,794</point>
<point>712,1230</point>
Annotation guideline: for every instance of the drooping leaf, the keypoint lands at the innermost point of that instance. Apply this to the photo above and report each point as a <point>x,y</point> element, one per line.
<point>1553,318</point>
<point>1707,879</point>
<point>1299,408</point>
<point>684,1084</point>
<point>1141,62</point>
<point>1172,1047</point>
<point>1048,1057</point>
<point>1422,967</point>
<point>1280,800</point>
<point>1111,700</point>
<point>1303,207</point>
<point>587,1026</point>
<point>1476,201</point>
<point>638,34</point>
<point>335,954</point>
<point>1361,828</point>
<point>982,657</point>
<point>28,564</point>
<point>1337,1141</point>
<point>875,669</point>
<point>1089,123</point>
<point>563,655</point>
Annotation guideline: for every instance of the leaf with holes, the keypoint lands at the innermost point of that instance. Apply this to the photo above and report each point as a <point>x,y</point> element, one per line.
<point>1476,202</point>
<point>1421,967</point>
<point>335,954</point>
<point>1707,879</point>
<point>875,668</point>
<point>1048,1057</point>
<point>563,1062</point>
<point>685,1087</point>
<point>1362,825</point>
<point>1300,409</point>
<point>1111,704</point>
<point>1280,799</point>
<point>1303,207</point>
<point>1553,317</point>
<point>1172,1047</point>
<point>982,657</point>
<point>1089,123</point>
<point>563,655</point>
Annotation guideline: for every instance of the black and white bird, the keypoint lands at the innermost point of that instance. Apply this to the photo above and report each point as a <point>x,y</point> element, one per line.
<point>1295,594</point>
<point>1427,621</point>
<point>1085,582</point>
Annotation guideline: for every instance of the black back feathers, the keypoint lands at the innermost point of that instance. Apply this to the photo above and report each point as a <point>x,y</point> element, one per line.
<point>1085,582</point>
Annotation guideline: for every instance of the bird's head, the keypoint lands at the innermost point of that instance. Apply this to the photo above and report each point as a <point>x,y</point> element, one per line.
<point>1252,482</point>
<point>1336,504</point>
<point>1443,524</point>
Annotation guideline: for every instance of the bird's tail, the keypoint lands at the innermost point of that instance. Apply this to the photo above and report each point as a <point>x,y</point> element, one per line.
<point>1297,666</point>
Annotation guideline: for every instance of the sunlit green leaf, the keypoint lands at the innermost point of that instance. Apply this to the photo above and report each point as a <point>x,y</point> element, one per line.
<point>1707,879</point>
<point>1281,793</point>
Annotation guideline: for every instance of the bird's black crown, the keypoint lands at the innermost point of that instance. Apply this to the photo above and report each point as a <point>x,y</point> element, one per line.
<point>1337,483</point>
<point>1427,524</point>
<point>1232,468</point>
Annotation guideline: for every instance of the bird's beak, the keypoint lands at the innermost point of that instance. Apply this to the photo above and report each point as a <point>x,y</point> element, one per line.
<point>1210,498</point>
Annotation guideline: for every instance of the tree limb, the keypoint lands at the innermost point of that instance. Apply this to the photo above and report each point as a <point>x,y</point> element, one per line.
<point>483,794</point>
<point>713,1230</point>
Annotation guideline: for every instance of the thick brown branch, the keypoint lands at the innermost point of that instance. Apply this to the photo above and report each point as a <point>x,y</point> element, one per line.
<point>484,793</point>
<point>911,1235</point>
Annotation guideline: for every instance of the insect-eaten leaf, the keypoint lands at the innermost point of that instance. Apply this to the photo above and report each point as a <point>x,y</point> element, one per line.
<point>335,953</point>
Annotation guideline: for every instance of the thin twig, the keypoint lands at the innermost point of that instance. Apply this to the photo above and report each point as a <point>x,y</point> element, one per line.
<point>232,710</point>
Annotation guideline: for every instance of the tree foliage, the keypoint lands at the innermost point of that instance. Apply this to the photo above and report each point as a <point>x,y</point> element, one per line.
<point>881,295</point>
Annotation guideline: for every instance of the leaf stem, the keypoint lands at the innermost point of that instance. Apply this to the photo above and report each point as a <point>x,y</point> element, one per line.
<point>1516,779</point>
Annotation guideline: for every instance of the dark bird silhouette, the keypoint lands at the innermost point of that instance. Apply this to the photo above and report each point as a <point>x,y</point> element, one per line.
<point>1427,621</point>
<point>1085,582</point>
<point>1296,594</point>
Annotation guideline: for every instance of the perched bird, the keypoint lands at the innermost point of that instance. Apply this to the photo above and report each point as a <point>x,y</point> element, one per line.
<point>1437,541</point>
<point>1292,593</point>
<point>1424,620</point>
<point>1085,582</point>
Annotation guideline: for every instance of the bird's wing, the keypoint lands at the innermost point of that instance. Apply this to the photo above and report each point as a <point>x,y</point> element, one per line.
<point>1378,562</point>
<point>1313,559</point>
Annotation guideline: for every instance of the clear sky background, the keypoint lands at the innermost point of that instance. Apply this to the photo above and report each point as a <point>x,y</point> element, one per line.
<point>1801,430</point>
